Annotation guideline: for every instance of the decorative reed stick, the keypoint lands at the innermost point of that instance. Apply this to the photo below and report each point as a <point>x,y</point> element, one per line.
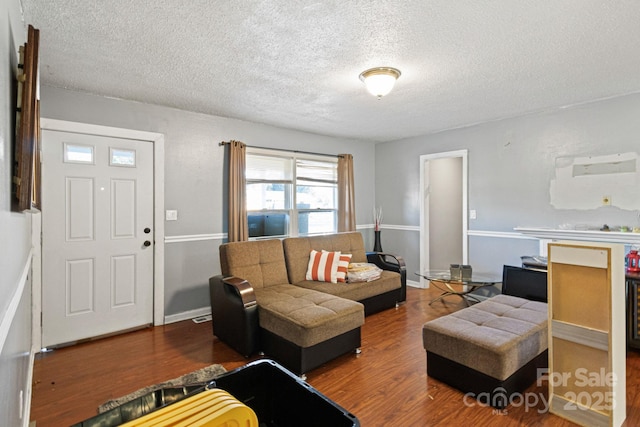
<point>377,217</point>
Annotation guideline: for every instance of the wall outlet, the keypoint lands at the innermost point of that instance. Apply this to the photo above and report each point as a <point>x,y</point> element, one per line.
<point>606,200</point>
<point>171,215</point>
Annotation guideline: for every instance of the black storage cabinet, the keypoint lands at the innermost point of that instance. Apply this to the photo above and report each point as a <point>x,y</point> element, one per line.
<point>281,399</point>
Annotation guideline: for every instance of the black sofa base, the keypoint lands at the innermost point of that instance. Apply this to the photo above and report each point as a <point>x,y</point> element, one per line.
<point>487,390</point>
<point>300,360</point>
<point>381,302</point>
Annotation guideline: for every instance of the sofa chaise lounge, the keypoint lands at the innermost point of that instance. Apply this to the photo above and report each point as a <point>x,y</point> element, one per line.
<point>263,302</point>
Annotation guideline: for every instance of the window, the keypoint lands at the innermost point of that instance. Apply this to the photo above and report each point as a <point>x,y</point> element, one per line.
<point>76,153</point>
<point>122,157</point>
<point>290,195</point>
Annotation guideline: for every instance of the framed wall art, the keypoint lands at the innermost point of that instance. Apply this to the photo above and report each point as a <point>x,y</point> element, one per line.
<point>26,161</point>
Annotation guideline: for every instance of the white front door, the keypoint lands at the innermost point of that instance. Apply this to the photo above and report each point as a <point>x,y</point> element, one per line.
<point>97,235</point>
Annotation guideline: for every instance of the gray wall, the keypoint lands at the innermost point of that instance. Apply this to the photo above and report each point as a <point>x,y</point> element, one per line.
<point>15,236</point>
<point>194,176</point>
<point>511,164</point>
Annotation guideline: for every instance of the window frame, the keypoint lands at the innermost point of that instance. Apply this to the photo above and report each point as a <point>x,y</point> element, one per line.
<point>291,209</point>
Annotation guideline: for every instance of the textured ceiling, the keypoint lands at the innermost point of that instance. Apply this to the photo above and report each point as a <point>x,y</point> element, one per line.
<point>295,64</point>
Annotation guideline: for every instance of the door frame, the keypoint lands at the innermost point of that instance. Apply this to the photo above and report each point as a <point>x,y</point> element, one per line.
<point>424,207</point>
<point>157,139</point>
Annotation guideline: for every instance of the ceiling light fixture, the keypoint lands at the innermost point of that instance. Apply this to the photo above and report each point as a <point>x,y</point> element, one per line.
<point>380,80</point>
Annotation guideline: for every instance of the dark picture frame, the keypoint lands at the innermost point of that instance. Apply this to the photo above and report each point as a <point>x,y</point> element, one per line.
<point>26,170</point>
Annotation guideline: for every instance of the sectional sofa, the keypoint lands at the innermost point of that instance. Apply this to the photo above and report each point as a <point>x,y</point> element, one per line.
<point>263,301</point>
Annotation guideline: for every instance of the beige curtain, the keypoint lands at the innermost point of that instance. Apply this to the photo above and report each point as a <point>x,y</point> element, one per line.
<point>238,227</point>
<point>346,194</point>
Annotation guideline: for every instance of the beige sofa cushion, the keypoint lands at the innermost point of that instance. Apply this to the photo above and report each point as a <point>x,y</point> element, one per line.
<point>359,291</point>
<point>261,262</point>
<point>297,250</point>
<point>496,336</point>
<point>306,317</point>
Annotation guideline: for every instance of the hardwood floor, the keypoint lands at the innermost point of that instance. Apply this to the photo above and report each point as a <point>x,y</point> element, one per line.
<point>385,385</point>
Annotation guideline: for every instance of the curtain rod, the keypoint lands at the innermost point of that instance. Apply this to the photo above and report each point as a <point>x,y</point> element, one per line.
<point>285,150</point>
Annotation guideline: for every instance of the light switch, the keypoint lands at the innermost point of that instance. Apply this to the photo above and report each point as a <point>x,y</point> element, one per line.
<point>472,214</point>
<point>171,215</point>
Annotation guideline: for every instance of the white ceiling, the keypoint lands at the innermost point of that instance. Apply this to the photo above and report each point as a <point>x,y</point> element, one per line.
<point>295,64</point>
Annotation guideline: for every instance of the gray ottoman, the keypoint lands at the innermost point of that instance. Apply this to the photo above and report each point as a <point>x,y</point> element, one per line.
<point>491,350</point>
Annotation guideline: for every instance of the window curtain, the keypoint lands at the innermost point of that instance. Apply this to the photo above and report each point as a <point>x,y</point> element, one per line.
<point>346,194</point>
<point>238,227</point>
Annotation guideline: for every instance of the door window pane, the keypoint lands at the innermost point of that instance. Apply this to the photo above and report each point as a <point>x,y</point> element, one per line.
<point>76,153</point>
<point>122,157</point>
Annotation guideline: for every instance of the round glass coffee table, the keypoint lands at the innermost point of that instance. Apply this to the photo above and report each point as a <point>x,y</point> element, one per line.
<point>462,288</point>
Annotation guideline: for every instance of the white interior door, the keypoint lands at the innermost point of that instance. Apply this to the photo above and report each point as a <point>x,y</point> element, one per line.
<point>97,235</point>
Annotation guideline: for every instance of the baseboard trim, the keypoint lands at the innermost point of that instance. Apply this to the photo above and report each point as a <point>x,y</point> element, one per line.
<point>187,315</point>
<point>415,284</point>
<point>29,387</point>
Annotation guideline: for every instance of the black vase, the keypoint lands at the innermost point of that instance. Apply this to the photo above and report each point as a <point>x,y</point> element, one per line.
<point>377,246</point>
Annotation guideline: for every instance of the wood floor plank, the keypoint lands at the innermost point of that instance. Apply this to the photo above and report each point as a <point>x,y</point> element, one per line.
<point>385,385</point>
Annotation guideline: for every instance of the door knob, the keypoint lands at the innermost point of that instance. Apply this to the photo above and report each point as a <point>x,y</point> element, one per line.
<point>147,230</point>
<point>147,243</point>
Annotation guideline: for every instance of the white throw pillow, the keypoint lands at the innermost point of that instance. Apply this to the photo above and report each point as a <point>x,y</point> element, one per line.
<point>323,266</point>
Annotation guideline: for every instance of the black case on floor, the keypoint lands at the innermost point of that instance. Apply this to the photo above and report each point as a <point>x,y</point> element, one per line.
<point>278,397</point>
<point>281,399</point>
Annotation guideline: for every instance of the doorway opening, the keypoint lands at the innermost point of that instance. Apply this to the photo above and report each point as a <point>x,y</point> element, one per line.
<point>443,211</point>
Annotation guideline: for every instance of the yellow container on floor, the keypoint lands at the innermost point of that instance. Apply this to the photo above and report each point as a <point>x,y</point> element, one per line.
<point>211,408</point>
<point>184,409</point>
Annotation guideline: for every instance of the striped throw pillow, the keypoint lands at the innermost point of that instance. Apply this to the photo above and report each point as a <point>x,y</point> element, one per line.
<point>323,266</point>
<point>343,267</point>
